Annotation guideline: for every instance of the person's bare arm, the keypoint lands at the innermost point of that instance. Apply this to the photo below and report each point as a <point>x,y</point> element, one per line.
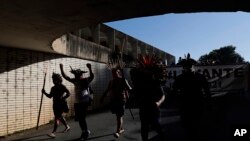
<point>46,94</point>
<point>158,103</point>
<point>64,75</point>
<point>91,74</point>
<point>128,88</point>
<point>67,94</point>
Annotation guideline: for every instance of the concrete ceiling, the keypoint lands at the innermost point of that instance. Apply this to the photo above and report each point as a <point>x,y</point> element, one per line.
<point>35,24</point>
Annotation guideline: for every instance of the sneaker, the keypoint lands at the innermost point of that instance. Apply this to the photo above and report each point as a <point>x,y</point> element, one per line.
<point>67,129</point>
<point>117,135</point>
<point>121,131</point>
<point>85,134</point>
<point>52,135</point>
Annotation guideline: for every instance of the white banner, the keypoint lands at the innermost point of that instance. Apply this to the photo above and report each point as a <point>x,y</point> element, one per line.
<point>222,78</point>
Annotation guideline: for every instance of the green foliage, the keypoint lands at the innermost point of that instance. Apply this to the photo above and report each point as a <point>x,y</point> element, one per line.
<point>224,55</point>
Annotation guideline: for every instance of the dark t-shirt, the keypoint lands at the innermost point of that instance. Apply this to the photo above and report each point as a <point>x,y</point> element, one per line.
<point>117,89</point>
<point>191,86</point>
<point>57,92</point>
<point>147,90</point>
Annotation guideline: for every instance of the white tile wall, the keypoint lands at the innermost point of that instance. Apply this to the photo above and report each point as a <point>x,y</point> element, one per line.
<point>21,80</point>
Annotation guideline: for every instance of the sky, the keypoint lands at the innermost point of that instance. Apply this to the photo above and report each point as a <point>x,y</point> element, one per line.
<point>194,33</point>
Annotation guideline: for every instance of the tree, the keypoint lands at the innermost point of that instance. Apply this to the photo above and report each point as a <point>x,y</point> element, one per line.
<point>224,55</point>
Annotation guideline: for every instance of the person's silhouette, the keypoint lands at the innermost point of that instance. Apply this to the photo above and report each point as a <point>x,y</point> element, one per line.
<point>59,93</point>
<point>117,90</point>
<point>83,98</point>
<point>193,89</point>
<point>147,79</point>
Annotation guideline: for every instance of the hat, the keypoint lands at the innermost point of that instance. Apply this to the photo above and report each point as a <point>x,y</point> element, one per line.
<point>185,63</point>
<point>188,62</point>
<point>77,71</point>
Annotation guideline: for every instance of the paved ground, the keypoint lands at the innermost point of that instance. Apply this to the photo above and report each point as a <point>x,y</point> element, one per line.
<point>102,126</point>
<point>226,111</point>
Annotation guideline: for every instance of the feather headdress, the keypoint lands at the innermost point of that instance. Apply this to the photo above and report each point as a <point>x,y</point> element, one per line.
<point>147,61</point>
<point>77,71</point>
<point>150,65</point>
<point>115,64</point>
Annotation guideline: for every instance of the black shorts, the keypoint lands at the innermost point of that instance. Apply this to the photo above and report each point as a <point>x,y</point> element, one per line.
<point>117,107</point>
<point>58,110</point>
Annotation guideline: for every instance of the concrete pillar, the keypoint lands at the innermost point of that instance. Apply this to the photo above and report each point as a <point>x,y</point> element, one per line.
<point>126,45</point>
<point>96,33</point>
<point>111,39</point>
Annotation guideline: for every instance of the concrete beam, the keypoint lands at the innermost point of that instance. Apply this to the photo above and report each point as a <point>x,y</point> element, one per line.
<point>35,24</point>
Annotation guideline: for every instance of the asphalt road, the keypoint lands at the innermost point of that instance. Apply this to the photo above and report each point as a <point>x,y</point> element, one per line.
<point>216,124</point>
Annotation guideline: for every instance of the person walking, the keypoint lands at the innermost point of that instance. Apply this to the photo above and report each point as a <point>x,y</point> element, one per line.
<point>59,93</point>
<point>117,90</point>
<point>147,78</point>
<point>193,90</point>
<point>83,97</point>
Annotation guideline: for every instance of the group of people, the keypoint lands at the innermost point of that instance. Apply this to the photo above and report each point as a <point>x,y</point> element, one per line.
<point>147,86</point>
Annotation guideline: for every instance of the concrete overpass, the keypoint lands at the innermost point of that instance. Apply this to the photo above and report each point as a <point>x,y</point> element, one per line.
<point>35,24</point>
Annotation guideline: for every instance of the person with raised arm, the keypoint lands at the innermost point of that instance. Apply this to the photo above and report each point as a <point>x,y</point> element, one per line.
<point>82,96</point>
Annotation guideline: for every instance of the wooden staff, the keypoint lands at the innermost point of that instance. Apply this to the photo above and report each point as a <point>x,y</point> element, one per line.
<point>130,111</point>
<point>38,118</point>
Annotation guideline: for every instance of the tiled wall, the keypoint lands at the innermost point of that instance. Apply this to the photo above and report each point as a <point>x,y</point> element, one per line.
<point>21,80</point>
